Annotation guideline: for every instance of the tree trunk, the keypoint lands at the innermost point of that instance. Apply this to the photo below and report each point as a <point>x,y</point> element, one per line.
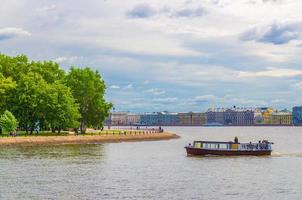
<point>83,128</point>
<point>26,128</point>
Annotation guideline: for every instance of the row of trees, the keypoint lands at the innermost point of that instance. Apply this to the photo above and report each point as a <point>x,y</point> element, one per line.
<point>43,93</point>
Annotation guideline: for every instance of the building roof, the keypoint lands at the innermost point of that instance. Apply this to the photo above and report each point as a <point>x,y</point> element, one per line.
<point>230,109</point>
<point>281,113</point>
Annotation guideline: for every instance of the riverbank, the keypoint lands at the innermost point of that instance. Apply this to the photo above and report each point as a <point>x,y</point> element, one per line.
<point>85,139</point>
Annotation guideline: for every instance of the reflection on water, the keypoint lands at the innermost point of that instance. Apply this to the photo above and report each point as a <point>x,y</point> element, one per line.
<point>157,169</point>
<point>52,151</point>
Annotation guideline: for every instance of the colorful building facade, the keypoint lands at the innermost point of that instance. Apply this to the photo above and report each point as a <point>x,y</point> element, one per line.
<point>297,116</point>
<point>282,118</point>
<point>159,119</point>
<point>191,119</point>
<point>122,119</point>
<point>234,117</point>
<point>268,115</point>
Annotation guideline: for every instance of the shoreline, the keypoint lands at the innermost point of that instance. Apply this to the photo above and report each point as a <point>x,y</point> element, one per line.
<point>85,139</point>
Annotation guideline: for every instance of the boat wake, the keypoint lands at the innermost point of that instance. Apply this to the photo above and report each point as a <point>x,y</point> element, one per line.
<point>287,154</point>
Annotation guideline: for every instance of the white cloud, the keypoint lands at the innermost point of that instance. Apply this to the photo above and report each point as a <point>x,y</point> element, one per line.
<point>271,72</point>
<point>11,32</point>
<point>165,100</point>
<point>114,87</point>
<point>47,8</point>
<point>129,86</point>
<point>146,82</point>
<point>298,85</point>
<point>68,60</point>
<point>156,91</point>
<point>279,101</point>
<point>208,97</point>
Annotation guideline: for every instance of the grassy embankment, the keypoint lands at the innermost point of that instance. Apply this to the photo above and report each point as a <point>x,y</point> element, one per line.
<point>91,137</point>
<point>94,133</point>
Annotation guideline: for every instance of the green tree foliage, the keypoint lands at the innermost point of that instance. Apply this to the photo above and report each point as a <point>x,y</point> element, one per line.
<point>88,88</point>
<point>14,66</point>
<point>60,105</point>
<point>29,101</point>
<point>8,122</point>
<point>50,71</point>
<point>7,87</point>
<point>18,66</point>
<point>38,92</point>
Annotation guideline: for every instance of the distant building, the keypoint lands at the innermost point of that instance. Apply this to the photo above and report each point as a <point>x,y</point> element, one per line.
<point>118,118</point>
<point>271,116</point>
<point>297,116</point>
<point>245,117</point>
<point>258,118</point>
<point>159,119</point>
<point>282,118</point>
<point>123,119</point>
<point>267,115</point>
<point>133,119</point>
<point>214,116</point>
<point>191,119</point>
<point>235,116</point>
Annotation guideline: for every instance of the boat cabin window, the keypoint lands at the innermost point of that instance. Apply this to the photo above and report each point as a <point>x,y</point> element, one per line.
<point>215,146</point>
<point>223,146</point>
<point>197,144</point>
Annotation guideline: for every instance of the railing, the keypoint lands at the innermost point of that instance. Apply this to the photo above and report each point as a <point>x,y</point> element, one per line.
<point>255,146</point>
<point>134,128</point>
<point>98,132</point>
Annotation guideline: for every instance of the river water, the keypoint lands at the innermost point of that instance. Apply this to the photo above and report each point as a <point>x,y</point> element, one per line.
<point>157,169</point>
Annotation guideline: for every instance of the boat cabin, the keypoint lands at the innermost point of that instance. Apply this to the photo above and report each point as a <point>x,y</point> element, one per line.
<point>214,145</point>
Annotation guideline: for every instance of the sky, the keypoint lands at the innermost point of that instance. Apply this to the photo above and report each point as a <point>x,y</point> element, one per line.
<point>170,55</point>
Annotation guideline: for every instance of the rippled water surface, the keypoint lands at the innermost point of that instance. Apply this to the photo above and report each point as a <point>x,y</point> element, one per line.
<point>156,170</point>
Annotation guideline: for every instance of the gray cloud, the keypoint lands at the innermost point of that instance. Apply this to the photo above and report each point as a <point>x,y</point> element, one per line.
<point>146,11</point>
<point>275,33</point>
<point>8,33</point>
<point>141,11</point>
<point>190,12</point>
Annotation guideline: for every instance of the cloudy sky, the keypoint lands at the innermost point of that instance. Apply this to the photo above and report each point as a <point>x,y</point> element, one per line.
<point>168,55</point>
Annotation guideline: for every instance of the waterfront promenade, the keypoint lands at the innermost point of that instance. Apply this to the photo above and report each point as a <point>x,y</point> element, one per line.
<point>105,137</point>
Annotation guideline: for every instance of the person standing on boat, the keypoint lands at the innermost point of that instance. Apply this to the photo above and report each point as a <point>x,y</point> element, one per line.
<point>236,140</point>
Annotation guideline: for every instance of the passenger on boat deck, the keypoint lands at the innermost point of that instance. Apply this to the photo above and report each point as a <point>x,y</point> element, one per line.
<point>236,139</point>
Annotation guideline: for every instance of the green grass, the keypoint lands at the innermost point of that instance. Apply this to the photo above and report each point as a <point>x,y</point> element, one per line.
<point>41,133</point>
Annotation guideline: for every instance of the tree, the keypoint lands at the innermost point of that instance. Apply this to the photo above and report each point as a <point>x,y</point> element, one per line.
<point>8,122</point>
<point>7,87</point>
<point>62,111</point>
<point>29,100</point>
<point>39,92</point>
<point>88,89</point>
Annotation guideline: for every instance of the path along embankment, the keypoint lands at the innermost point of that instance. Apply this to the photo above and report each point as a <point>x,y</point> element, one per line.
<point>85,139</point>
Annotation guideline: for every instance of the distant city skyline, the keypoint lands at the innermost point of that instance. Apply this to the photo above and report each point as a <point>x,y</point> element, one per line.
<point>263,116</point>
<point>206,109</point>
<point>170,55</point>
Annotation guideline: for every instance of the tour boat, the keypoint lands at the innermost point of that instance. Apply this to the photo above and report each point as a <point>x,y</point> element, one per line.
<point>203,148</point>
